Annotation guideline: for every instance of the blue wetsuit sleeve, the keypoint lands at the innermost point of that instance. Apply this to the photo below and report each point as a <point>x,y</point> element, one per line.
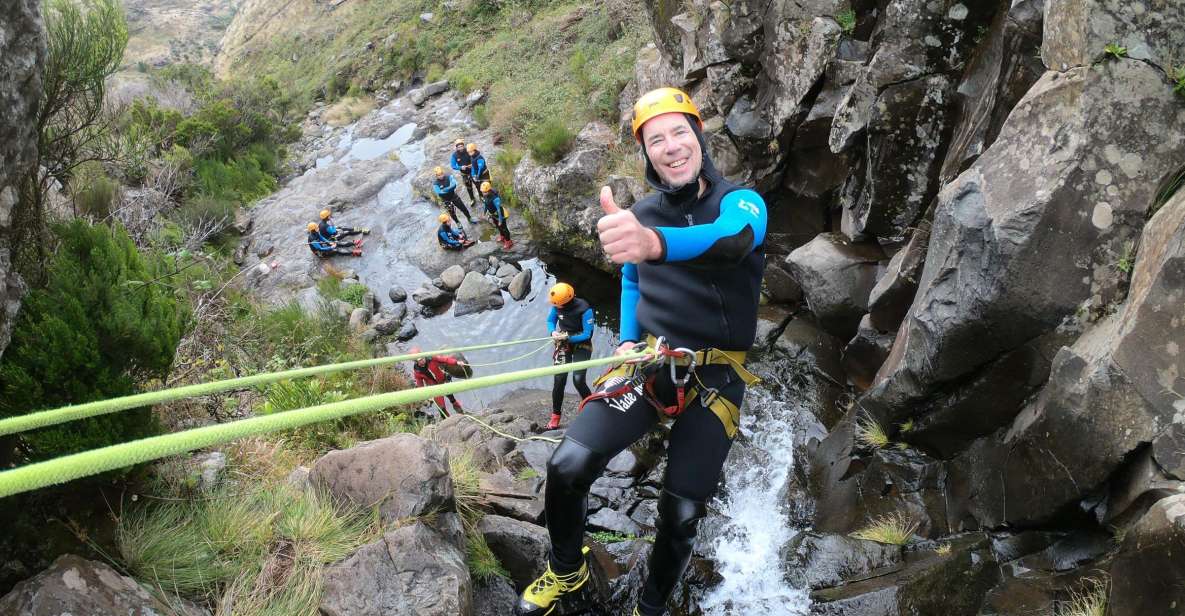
<point>479,167</point>
<point>498,208</point>
<point>447,238</point>
<point>454,162</point>
<point>438,189</point>
<point>553,317</point>
<point>586,320</point>
<point>452,185</point>
<point>736,232</point>
<point>630,331</point>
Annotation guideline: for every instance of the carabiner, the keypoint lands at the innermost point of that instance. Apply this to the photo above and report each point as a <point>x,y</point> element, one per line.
<point>690,367</point>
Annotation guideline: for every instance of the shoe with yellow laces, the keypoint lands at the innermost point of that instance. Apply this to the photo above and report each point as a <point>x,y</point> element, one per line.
<point>543,595</point>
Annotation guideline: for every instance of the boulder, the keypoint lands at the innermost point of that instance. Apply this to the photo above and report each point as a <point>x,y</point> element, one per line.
<point>505,273</point>
<point>403,475</point>
<point>379,125</point>
<point>463,436</point>
<point>431,297</point>
<point>521,547</point>
<point>419,96</point>
<point>889,300</point>
<point>1146,574</point>
<point>407,331</point>
<point>1108,395</point>
<point>22,60</point>
<point>475,98</point>
<point>1026,238</point>
<point>1076,31</point>
<point>397,295</point>
<point>411,571</point>
<point>865,353</point>
<point>493,596</point>
<point>798,47</point>
<point>452,277</point>
<point>561,197</point>
<point>836,276</point>
<point>802,340</point>
<point>520,285</point>
<point>518,496</point>
<point>359,317</point>
<point>474,294</point>
<point>813,560</point>
<point>386,324</point>
<point>779,285</point>
<point>75,585</point>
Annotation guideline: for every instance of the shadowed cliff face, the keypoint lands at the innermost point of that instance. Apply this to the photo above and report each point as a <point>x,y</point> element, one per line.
<point>22,58</point>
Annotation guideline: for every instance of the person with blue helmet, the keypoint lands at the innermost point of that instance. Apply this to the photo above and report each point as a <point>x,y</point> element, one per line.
<point>692,255</point>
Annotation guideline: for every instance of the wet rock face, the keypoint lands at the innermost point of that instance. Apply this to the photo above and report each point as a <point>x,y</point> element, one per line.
<point>1029,233</point>
<point>22,59</point>
<point>1146,575</point>
<point>1108,393</point>
<point>74,585</point>
<point>1076,31</point>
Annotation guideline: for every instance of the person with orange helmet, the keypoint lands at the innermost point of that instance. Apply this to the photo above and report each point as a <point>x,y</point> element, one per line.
<point>428,371</point>
<point>478,171</point>
<point>692,256</point>
<point>451,238</point>
<point>496,213</point>
<point>461,162</point>
<point>570,322</point>
<point>334,233</point>
<point>325,247</point>
<point>445,188</point>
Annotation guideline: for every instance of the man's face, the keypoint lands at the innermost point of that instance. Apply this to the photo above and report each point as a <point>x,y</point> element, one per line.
<point>459,147</point>
<point>673,149</point>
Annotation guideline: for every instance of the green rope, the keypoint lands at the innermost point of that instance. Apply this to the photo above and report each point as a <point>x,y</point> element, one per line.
<point>512,359</point>
<point>41,419</point>
<point>95,461</point>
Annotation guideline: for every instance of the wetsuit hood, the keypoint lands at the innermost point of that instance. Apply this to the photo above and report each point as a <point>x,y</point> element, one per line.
<point>707,171</point>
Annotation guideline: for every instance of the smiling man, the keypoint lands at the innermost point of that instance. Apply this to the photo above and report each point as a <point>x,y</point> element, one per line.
<point>693,255</point>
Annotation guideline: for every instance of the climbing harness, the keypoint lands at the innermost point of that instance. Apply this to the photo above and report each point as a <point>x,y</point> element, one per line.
<point>639,376</point>
<point>42,419</point>
<point>95,461</point>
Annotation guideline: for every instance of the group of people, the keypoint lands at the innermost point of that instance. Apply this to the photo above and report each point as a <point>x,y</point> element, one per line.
<point>475,176</point>
<point>326,239</point>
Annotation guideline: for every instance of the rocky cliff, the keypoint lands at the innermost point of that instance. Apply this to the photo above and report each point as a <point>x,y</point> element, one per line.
<point>22,59</point>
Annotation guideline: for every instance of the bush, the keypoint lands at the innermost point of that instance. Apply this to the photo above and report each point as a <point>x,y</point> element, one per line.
<point>239,180</point>
<point>94,193</point>
<point>550,141</point>
<point>204,210</point>
<point>481,116</point>
<point>97,329</point>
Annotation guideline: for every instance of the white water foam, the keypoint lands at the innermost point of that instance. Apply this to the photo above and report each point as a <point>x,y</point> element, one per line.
<point>748,545</point>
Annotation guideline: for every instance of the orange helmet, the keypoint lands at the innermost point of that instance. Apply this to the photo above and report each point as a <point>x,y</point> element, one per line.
<point>486,186</point>
<point>471,148</point>
<point>439,171</point>
<point>325,214</point>
<point>561,293</point>
<point>312,226</point>
<point>442,218</point>
<point>660,101</point>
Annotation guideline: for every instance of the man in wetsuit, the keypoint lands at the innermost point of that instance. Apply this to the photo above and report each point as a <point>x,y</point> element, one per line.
<point>693,257</point>
<point>450,238</point>
<point>445,188</point>
<point>336,234</point>
<point>324,247</point>
<point>479,172</point>
<point>461,163</point>
<point>428,371</point>
<point>496,213</point>
<point>570,323</point>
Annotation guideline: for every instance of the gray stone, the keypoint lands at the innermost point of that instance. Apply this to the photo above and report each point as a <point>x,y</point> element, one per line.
<point>211,465</point>
<point>474,294</point>
<point>814,560</point>
<point>505,273</point>
<point>419,96</point>
<point>431,297</point>
<point>520,285</point>
<point>493,596</point>
<point>343,308</point>
<point>797,52</point>
<point>379,125</point>
<point>864,354</point>
<point>397,294</point>
<point>614,521</point>
<point>521,547</point>
<point>463,436</point>
<point>22,59</point>
<point>836,276</point>
<point>475,98</point>
<point>359,317</point>
<point>1012,259</point>
<point>387,577</point>
<point>1076,31</point>
<point>889,300</point>
<point>452,277</point>
<point>407,331</point>
<point>403,475</point>
<point>74,585</point>
<point>1145,575</point>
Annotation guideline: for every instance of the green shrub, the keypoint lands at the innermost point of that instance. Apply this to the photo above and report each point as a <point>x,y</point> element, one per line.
<point>354,294</point>
<point>550,141</point>
<point>296,394</point>
<point>240,180</point>
<point>97,329</point>
<point>94,193</point>
<point>481,116</point>
<point>203,209</point>
<point>847,20</point>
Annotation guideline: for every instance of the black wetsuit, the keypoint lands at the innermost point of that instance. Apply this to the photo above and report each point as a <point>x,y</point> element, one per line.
<point>461,162</point>
<point>577,319</point>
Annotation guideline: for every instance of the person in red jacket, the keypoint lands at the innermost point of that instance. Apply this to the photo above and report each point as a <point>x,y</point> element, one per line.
<point>428,371</point>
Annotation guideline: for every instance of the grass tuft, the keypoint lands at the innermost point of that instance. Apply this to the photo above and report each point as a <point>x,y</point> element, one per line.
<point>893,529</point>
<point>1115,50</point>
<point>847,21</point>
<point>466,478</point>
<point>871,434</point>
<point>347,110</point>
<point>943,550</point>
<point>1090,600</point>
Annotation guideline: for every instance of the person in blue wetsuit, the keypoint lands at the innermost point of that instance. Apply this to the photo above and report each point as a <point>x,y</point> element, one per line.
<point>445,188</point>
<point>693,256</point>
<point>478,171</point>
<point>496,213</point>
<point>450,238</point>
<point>335,233</point>
<point>570,323</point>
<point>325,247</point>
<point>461,163</point>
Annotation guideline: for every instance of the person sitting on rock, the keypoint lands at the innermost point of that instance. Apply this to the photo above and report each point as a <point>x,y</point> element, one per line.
<point>445,188</point>
<point>460,161</point>
<point>478,171</point>
<point>428,371</point>
<point>450,238</point>
<point>693,254</point>
<point>495,213</point>
<point>336,234</point>
<point>324,247</point>
<point>570,323</point>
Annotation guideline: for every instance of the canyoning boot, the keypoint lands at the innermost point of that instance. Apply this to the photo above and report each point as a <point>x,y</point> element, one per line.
<point>357,252</point>
<point>507,244</point>
<point>555,421</point>
<point>544,594</point>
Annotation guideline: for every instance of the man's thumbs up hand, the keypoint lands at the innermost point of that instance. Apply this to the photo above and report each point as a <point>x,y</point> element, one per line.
<point>624,239</point>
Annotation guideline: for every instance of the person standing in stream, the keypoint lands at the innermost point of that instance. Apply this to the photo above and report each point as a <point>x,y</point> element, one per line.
<point>693,256</point>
